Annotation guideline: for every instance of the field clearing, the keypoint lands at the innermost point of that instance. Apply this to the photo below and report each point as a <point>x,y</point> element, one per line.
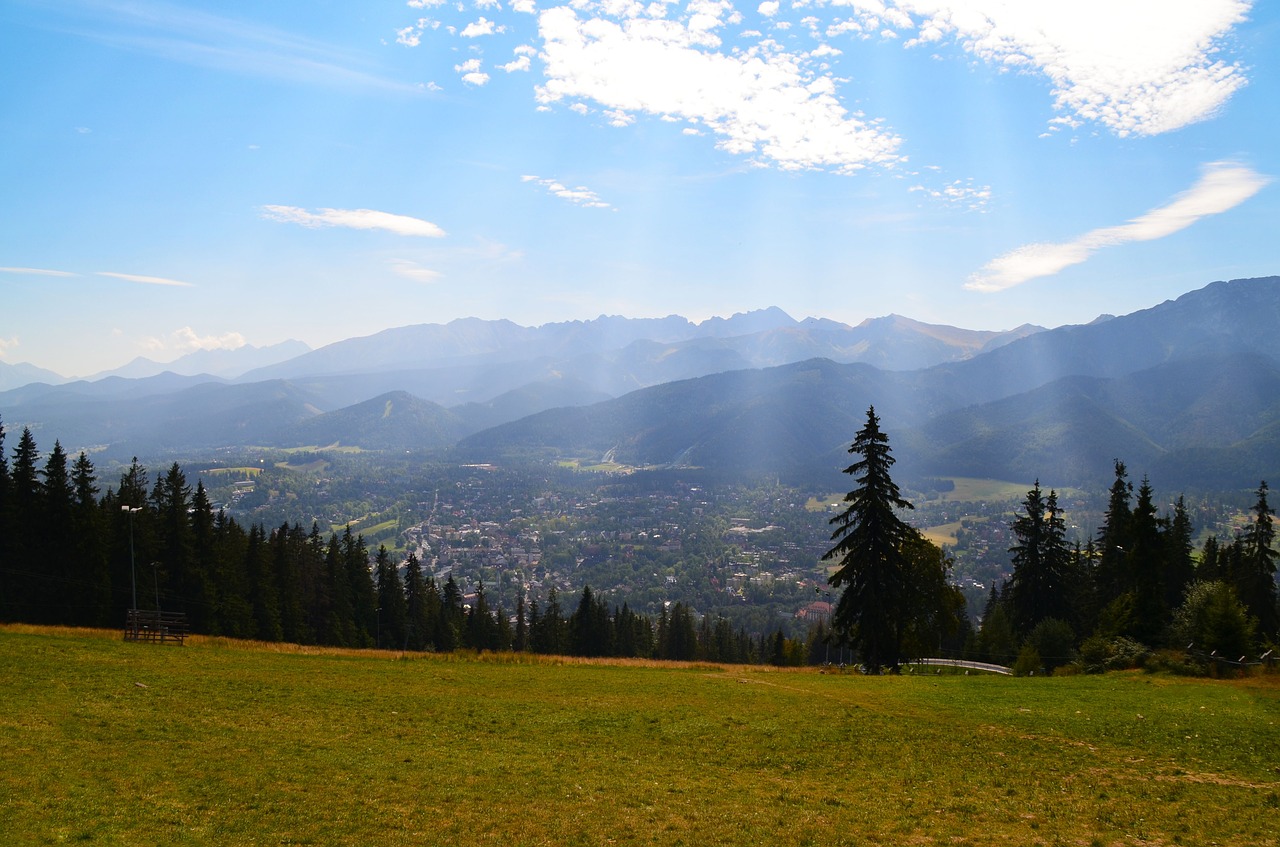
<point>231,743</point>
<point>245,472</point>
<point>945,534</point>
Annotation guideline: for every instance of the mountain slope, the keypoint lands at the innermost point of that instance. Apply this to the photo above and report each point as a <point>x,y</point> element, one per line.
<point>393,421</point>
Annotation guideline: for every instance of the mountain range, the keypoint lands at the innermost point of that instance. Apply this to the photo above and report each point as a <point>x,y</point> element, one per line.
<point>1187,391</point>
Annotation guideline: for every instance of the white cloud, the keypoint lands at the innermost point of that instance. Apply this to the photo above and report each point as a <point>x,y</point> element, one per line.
<point>1221,187</point>
<point>187,339</point>
<point>147,280</point>
<point>469,66</point>
<point>1139,68</point>
<point>7,344</point>
<point>484,26</point>
<point>520,63</point>
<point>580,196</point>
<point>475,78</point>
<point>413,270</point>
<point>409,36</point>
<point>528,7</point>
<point>425,4</point>
<point>36,272</point>
<point>619,118</point>
<point>768,8</point>
<point>759,102</point>
<point>353,219</point>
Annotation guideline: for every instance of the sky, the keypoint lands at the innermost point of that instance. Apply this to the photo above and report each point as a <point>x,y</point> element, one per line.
<point>182,176</point>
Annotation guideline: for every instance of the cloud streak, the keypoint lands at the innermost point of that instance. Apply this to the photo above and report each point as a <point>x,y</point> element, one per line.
<point>36,272</point>
<point>204,39</point>
<point>1222,186</point>
<point>353,219</point>
<point>147,280</point>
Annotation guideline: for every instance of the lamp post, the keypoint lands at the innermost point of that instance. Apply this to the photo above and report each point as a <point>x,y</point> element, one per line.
<point>133,575</point>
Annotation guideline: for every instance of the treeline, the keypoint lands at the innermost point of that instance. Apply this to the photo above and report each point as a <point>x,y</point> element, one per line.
<point>71,557</point>
<point>1139,585</point>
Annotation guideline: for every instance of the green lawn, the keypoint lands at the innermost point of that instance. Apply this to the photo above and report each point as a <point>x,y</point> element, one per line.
<point>223,743</point>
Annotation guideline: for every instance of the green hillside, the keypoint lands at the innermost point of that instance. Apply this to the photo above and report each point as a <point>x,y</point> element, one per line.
<point>222,743</point>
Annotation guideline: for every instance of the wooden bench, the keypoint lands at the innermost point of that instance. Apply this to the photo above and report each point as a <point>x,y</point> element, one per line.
<point>161,627</point>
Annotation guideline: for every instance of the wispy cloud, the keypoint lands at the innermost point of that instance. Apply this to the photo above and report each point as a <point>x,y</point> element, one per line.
<point>36,272</point>
<point>580,196</point>
<point>412,270</point>
<point>1221,187</point>
<point>147,280</point>
<point>353,219</point>
<point>7,344</point>
<point>205,39</point>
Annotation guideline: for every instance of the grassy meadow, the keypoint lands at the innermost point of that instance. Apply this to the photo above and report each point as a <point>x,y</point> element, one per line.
<point>241,744</point>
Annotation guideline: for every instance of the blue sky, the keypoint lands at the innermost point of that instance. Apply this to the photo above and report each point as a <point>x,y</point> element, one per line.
<point>188,175</point>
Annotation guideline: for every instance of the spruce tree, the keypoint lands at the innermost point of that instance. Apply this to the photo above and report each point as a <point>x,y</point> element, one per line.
<point>873,568</point>
<point>1039,587</point>
<point>1113,538</point>
<point>1145,567</point>
<point>93,567</point>
<point>390,627</point>
<point>58,578</point>
<point>417,624</point>
<point>1255,574</point>
<point>8,533</point>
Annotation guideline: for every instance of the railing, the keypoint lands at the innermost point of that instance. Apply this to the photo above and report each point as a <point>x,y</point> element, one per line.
<point>155,626</point>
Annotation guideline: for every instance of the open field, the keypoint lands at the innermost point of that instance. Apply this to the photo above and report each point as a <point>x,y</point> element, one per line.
<point>226,743</point>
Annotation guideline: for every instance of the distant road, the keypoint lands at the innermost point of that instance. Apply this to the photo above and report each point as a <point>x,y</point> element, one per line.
<point>959,663</point>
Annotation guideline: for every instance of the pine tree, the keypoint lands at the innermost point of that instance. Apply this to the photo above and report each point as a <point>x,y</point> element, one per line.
<point>873,568</point>
<point>171,499</point>
<point>202,590</point>
<point>1255,575</point>
<point>521,639</point>
<point>8,540</point>
<point>391,601</point>
<point>1039,587</point>
<point>364,598</point>
<point>417,623</point>
<point>1180,566</point>
<point>1113,539</point>
<point>262,587</point>
<point>94,587</point>
<point>25,491</point>
<point>57,580</point>
<point>1145,567</point>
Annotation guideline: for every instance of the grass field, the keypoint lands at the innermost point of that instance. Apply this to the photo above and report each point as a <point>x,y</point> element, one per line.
<point>232,744</point>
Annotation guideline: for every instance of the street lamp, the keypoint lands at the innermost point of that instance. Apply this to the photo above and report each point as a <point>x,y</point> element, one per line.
<point>133,576</point>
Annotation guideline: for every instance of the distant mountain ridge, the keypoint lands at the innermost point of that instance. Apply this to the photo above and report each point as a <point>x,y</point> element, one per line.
<point>1188,389</point>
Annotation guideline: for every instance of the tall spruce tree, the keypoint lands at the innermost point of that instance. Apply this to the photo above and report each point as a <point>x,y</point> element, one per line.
<point>8,530</point>
<point>1113,538</point>
<point>94,586</point>
<point>1145,569</point>
<point>873,567</point>
<point>392,610</point>
<point>1255,573</point>
<point>1040,587</point>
